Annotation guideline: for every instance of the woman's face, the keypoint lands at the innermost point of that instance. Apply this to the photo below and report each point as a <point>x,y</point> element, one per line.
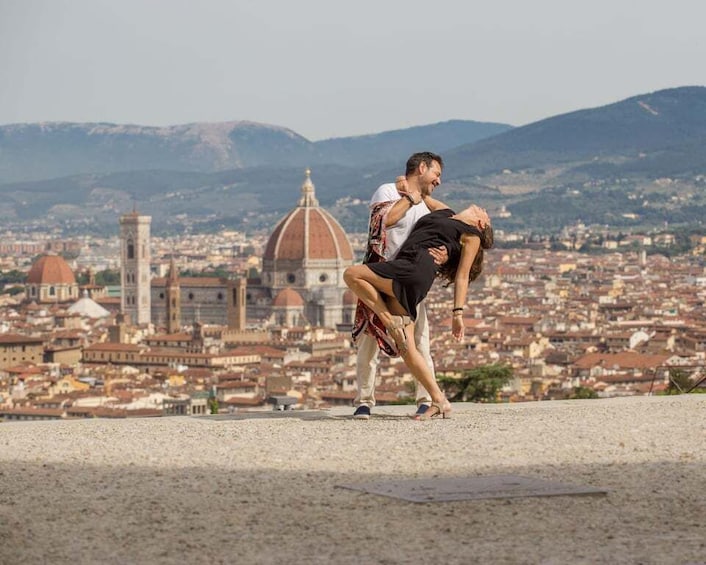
<point>475,216</point>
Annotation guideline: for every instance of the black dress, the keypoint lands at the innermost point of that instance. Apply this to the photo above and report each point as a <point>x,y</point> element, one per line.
<point>413,269</point>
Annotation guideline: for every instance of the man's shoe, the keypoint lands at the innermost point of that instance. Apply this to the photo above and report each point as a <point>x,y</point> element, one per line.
<point>421,410</point>
<point>362,412</point>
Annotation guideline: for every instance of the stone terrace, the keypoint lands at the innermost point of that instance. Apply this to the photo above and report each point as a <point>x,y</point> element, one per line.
<point>267,489</point>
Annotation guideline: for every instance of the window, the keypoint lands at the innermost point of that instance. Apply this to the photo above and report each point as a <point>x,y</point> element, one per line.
<point>291,278</point>
<point>130,249</point>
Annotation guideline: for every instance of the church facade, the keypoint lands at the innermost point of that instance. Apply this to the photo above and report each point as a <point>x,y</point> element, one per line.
<point>301,281</point>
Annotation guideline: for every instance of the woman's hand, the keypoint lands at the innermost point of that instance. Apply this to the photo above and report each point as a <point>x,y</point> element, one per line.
<point>402,187</point>
<point>457,326</point>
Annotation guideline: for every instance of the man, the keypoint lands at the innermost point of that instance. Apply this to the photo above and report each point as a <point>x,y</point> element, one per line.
<point>393,214</point>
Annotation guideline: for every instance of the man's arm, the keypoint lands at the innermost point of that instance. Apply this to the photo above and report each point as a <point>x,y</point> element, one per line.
<point>398,210</point>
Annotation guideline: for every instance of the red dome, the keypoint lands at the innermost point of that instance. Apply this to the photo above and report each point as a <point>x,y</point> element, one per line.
<point>51,269</point>
<point>288,298</point>
<point>308,232</point>
<point>349,298</point>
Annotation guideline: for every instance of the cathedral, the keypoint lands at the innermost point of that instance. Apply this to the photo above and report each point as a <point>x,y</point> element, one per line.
<point>301,281</point>
<point>50,281</point>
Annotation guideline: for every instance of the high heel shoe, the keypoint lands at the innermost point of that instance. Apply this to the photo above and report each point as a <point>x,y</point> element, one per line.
<point>398,334</point>
<point>437,409</point>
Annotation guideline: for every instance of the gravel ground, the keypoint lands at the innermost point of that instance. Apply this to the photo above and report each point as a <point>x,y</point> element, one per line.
<point>266,490</point>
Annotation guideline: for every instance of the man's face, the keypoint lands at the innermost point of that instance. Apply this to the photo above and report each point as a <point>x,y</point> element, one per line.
<point>430,177</point>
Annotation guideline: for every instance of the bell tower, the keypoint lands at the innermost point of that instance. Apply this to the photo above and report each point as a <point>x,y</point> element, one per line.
<point>173,295</point>
<point>135,276</point>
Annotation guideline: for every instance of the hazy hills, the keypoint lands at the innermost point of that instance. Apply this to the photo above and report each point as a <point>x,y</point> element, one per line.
<point>637,129</point>
<point>640,162</point>
<point>31,152</point>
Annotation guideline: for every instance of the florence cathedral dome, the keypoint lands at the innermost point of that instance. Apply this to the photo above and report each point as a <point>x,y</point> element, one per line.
<point>308,252</point>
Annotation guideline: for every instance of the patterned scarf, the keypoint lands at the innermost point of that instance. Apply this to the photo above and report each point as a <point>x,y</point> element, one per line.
<point>365,319</point>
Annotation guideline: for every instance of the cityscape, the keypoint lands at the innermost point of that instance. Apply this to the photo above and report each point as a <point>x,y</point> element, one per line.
<point>233,322</point>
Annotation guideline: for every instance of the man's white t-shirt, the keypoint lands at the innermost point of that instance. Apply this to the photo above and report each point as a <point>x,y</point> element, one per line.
<point>397,234</point>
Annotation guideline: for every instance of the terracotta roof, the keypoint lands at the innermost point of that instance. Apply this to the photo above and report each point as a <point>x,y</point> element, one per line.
<point>186,282</point>
<point>51,269</point>
<point>624,360</point>
<point>308,233</point>
<point>19,339</point>
<point>349,298</point>
<point>288,297</point>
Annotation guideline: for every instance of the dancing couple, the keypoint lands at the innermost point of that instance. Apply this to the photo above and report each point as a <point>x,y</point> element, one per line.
<point>392,289</point>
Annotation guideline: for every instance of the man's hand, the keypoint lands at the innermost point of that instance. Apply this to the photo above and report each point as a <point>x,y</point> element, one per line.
<point>439,254</point>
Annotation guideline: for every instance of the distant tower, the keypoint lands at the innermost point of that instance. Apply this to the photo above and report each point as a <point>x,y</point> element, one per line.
<point>135,267</point>
<point>236,303</point>
<point>173,295</point>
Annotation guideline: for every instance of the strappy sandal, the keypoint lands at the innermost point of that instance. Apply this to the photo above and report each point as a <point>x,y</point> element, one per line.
<point>437,409</point>
<point>397,332</point>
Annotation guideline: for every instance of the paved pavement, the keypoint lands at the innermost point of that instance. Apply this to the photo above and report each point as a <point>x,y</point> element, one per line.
<point>268,489</point>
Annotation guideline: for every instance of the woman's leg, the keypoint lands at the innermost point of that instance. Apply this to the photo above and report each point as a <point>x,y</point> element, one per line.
<point>374,291</point>
<point>421,370</point>
<point>377,294</point>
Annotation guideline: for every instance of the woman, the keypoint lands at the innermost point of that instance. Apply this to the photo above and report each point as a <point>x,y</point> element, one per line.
<point>394,288</point>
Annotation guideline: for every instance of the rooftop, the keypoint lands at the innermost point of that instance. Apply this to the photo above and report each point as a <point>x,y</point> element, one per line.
<point>267,489</point>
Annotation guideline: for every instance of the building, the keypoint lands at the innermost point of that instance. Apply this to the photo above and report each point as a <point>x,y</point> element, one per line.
<point>301,282</point>
<point>135,267</point>
<point>305,255</point>
<point>51,280</point>
<point>16,349</point>
<point>181,301</point>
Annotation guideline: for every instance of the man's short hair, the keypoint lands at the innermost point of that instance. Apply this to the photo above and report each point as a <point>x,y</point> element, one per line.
<point>425,157</point>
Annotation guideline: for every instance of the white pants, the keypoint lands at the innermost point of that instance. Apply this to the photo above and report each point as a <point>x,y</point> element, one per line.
<point>367,361</point>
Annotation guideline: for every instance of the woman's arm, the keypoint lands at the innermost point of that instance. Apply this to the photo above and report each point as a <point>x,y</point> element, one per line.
<point>433,204</point>
<point>470,244</point>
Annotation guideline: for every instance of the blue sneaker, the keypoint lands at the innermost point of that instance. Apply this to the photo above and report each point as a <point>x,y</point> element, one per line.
<point>421,410</point>
<point>362,412</point>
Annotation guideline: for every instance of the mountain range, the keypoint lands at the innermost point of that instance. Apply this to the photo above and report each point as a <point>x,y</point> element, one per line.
<point>638,162</point>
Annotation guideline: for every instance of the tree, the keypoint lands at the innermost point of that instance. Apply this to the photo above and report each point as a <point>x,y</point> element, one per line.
<point>679,381</point>
<point>108,277</point>
<point>481,384</point>
<point>583,392</point>
<point>103,278</point>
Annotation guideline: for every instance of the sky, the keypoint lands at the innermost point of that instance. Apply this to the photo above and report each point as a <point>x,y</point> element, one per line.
<point>324,68</point>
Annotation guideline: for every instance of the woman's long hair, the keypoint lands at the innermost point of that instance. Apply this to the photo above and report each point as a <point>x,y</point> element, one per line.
<point>448,270</point>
